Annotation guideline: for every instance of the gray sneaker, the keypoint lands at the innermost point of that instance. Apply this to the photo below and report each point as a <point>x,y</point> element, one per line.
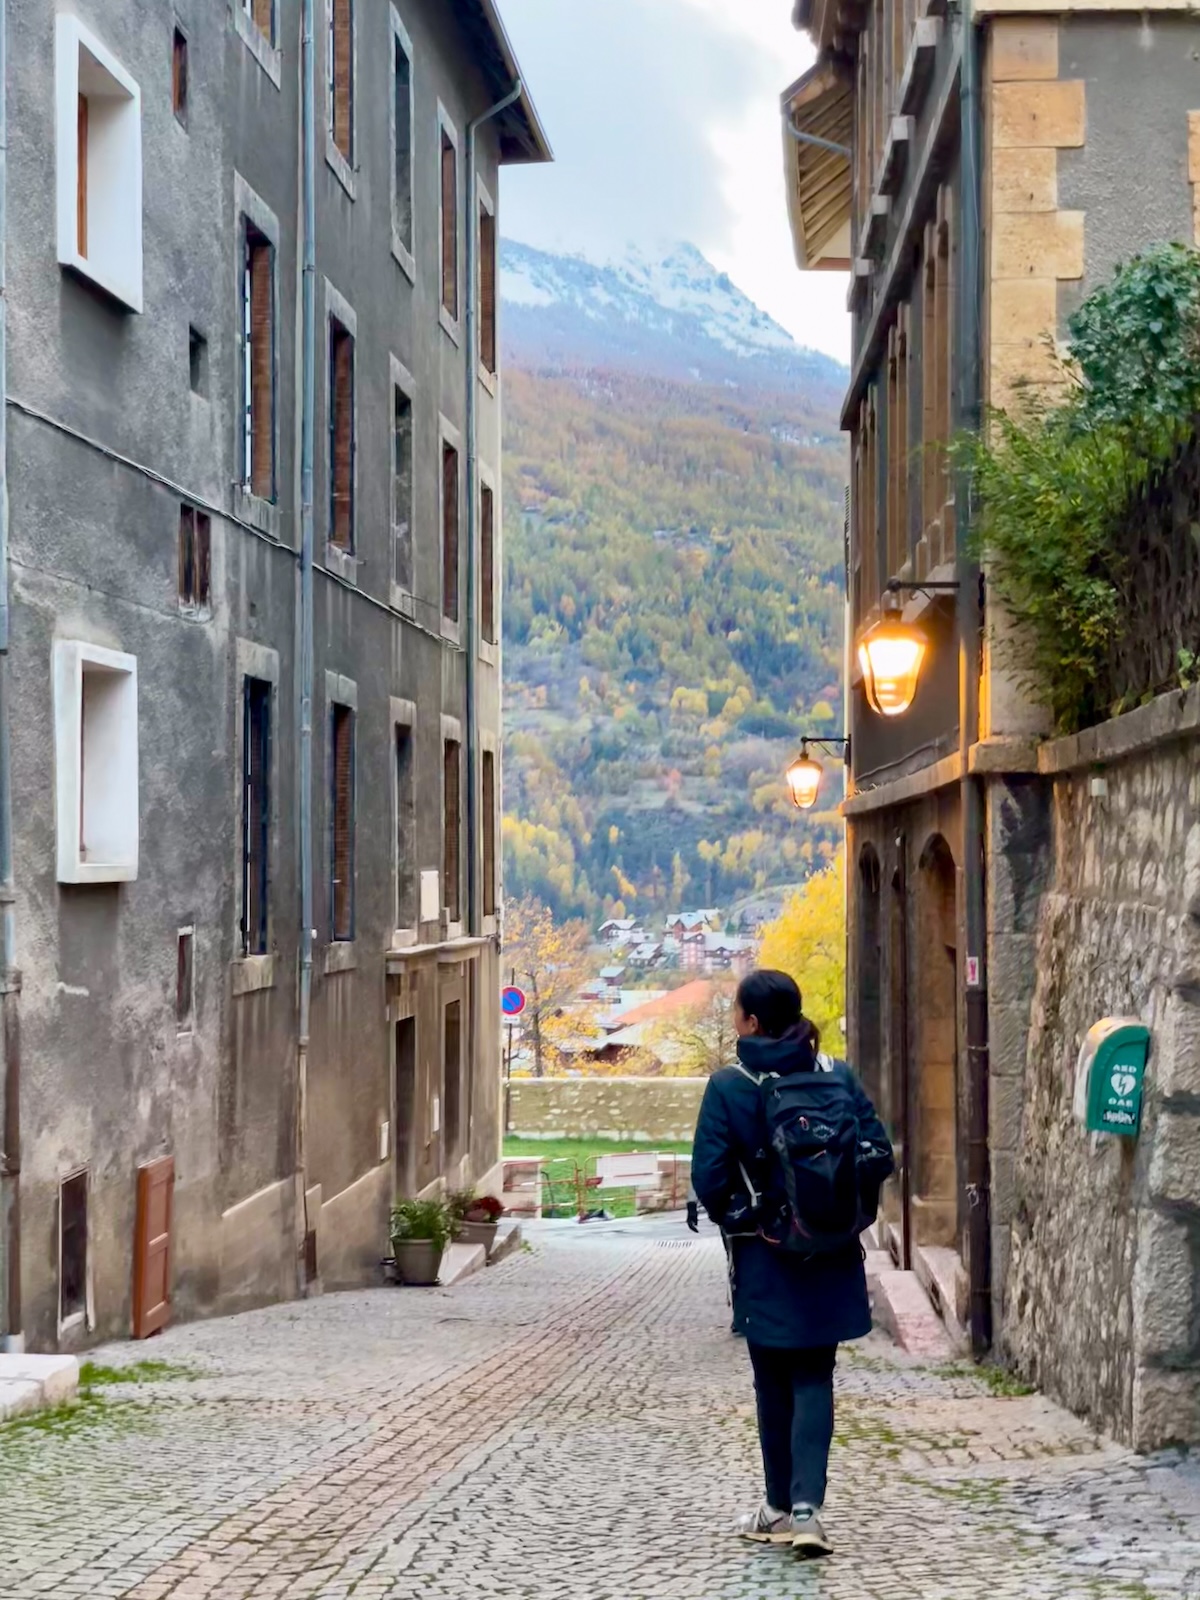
<point>766,1526</point>
<point>808,1537</point>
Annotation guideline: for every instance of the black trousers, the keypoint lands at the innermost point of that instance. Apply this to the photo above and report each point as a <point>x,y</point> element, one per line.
<point>794,1389</point>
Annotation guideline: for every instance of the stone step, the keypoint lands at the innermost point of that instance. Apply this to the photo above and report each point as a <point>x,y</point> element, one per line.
<point>877,1262</point>
<point>902,1307</point>
<point>461,1261</point>
<point>944,1279</point>
<point>508,1242</point>
<point>31,1383</point>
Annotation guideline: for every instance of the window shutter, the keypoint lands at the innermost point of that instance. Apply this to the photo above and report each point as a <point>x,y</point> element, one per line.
<point>256,814</point>
<point>184,978</point>
<point>489,833</point>
<point>487,290</point>
<point>450,532</point>
<point>343,822</point>
<point>406,903</point>
<point>203,559</point>
<point>402,489</point>
<point>450,829</point>
<point>81,190</point>
<point>262,368</point>
<point>343,77</point>
<point>487,563</point>
<point>179,76</point>
<point>187,554</point>
<point>264,18</point>
<point>449,225</point>
<point>341,397</point>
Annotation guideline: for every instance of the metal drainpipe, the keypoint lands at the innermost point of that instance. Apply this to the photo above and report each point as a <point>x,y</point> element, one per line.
<point>307,439</point>
<point>473,506</point>
<point>813,139</point>
<point>970,635</point>
<point>11,1336</point>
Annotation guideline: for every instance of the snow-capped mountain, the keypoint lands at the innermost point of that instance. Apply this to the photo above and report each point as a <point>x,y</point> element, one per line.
<point>671,313</point>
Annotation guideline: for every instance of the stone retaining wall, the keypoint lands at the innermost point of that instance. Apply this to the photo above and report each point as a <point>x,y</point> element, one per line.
<point>1103,1236</point>
<point>632,1110</point>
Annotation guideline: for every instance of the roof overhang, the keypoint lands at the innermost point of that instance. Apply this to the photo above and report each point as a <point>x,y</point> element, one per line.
<point>522,137</point>
<point>819,180</point>
<point>831,24</point>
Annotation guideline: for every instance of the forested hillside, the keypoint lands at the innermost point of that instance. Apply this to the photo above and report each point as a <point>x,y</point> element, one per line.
<point>673,622</point>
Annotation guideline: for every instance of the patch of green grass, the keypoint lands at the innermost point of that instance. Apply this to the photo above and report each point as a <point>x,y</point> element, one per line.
<point>561,1158</point>
<point>94,1376</point>
<point>1001,1383</point>
<point>93,1408</point>
<point>86,1414</point>
<point>983,1493</point>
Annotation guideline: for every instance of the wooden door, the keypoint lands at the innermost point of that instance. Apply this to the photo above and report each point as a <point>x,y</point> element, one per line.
<point>152,1247</point>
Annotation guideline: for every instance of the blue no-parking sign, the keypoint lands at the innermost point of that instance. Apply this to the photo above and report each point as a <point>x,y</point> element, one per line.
<point>512,1002</point>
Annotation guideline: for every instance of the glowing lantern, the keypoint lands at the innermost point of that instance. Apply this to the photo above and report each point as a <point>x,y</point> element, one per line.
<point>891,654</point>
<point>804,779</point>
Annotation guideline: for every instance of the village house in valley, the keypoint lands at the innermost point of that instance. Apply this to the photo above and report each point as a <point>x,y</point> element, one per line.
<point>258,969</point>
<point>977,171</point>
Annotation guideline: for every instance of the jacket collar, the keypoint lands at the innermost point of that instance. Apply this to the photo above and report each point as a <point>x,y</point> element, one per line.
<point>792,1053</point>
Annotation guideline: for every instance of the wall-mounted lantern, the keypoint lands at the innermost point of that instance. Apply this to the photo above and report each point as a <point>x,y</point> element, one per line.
<point>892,652</point>
<point>805,773</point>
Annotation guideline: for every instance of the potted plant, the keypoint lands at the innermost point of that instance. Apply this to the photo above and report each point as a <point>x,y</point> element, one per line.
<point>481,1221</point>
<point>421,1230</point>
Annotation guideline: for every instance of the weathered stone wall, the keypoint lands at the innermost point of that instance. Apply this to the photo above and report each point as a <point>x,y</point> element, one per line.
<point>640,1110</point>
<point>1101,1295</point>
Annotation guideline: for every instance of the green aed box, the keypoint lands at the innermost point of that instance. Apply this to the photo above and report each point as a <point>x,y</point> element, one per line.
<point>1111,1075</point>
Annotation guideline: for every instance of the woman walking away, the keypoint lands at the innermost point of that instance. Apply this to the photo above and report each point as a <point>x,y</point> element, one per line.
<point>789,1158</point>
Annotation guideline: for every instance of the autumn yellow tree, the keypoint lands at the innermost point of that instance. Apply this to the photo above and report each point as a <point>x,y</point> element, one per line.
<point>550,960</point>
<point>808,940</point>
<point>698,1041</point>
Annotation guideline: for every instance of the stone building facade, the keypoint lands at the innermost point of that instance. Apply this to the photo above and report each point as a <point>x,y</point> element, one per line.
<point>977,172</point>
<point>176,1134</point>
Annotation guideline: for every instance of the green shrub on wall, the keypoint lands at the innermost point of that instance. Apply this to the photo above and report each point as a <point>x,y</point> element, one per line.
<point>1055,481</point>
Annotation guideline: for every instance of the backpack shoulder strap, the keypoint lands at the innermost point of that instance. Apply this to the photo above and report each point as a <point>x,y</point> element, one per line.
<point>753,1076</point>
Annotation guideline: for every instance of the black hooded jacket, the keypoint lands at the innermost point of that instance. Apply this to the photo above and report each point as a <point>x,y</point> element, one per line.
<point>779,1299</point>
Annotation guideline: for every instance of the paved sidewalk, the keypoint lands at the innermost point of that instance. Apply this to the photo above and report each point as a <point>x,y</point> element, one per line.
<point>573,1425</point>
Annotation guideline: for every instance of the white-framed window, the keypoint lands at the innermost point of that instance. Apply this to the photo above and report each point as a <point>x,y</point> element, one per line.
<point>74,1253</point>
<point>450,516</point>
<point>452,826</point>
<point>489,825</point>
<point>257,243</point>
<point>404,717</point>
<point>341,91</point>
<point>261,13</point>
<point>257,23</point>
<point>403,246</point>
<point>98,115</point>
<point>96,763</point>
<point>489,538</point>
<point>488,289</point>
<point>185,981</point>
<point>256,798</point>
<point>403,577</point>
<point>342,695</point>
<point>341,422</point>
<point>448,222</point>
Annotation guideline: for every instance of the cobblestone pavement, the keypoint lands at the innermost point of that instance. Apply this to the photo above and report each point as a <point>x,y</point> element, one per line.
<point>575,1424</point>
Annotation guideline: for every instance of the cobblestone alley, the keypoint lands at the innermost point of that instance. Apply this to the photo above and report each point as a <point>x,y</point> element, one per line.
<point>574,1425</point>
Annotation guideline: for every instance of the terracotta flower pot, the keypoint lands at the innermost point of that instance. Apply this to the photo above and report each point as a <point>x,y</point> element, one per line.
<point>418,1261</point>
<point>483,1233</point>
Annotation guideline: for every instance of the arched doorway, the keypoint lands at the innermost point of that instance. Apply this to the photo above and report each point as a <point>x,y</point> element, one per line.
<point>935,1064</point>
<point>869,979</point>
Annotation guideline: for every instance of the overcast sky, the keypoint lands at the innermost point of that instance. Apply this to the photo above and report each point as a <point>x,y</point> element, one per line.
<point>664,118</point>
